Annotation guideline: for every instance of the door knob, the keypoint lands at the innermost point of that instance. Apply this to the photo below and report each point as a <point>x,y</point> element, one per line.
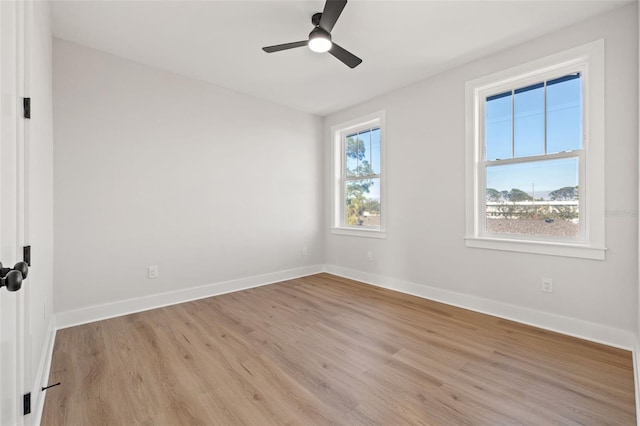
<point>12,278</point>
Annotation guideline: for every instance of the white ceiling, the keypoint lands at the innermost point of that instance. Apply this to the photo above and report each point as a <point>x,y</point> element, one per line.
<point>400,42</point>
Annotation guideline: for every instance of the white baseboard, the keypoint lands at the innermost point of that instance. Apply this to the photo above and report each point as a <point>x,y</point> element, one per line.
<point>636,378</point>
<point>587,330</point>
<point>42,376</point>
<point>110,310</point>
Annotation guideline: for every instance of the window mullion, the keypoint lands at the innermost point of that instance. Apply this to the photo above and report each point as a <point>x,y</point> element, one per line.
<point>370,149</point>
<point>542,157</point>
<point>343,178</point>
<point>544,117</point>
<point>357,154</point>
<point>357,178</point>
<point>513,124</point>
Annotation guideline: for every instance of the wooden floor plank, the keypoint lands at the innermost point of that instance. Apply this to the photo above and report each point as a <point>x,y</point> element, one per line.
<point>326,350</point>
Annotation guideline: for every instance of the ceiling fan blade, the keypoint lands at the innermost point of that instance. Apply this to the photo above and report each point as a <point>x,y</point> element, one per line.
<point>279,47</point>
<point>346,57</point>
<point>331,13</point>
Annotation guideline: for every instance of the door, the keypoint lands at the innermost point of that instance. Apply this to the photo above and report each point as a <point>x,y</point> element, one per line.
<point>12,314</point>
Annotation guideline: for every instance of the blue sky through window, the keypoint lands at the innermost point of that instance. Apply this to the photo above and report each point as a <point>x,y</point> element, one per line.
<point>498,126</point>
<point>564,114</point>
<point>528,108</point>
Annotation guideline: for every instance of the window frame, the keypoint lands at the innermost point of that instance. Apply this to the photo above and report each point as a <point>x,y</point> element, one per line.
<point>339,134</point>
<point>587,59</point>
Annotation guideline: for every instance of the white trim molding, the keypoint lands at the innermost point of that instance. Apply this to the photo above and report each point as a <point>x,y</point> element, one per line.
<point>124,307</point>
<point>42,376</point>
<point>611,336</point>
<point>538,247</point>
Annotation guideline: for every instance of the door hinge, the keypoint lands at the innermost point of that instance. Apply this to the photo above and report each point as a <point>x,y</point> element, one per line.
<point>26,255</point>
<point>26,403</point>
<point>26,103</point>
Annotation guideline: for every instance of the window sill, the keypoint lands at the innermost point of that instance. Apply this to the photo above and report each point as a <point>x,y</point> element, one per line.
<point>538,247</point>
<point>367,233</point>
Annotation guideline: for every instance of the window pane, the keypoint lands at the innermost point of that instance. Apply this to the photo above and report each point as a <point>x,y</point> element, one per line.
<point>351,153</point>
<point>564,114</point>
<point>529,121</point>
<point>362,153</point>
<point>534,198</point>
<point>362,202</point>
<point>498,126</point>
<point>375,151</point>
<point>364,150</point>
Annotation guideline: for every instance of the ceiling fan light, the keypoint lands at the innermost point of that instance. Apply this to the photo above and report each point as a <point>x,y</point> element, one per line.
<point>319,40</point>
<point>320,44</point>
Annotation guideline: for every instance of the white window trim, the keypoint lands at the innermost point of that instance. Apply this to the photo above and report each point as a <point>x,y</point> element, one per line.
<point>592,242</point>
<point>337,160</point>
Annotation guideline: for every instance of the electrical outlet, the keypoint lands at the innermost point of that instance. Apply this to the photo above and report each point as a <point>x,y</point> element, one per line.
<point>153,272</point>
<point>305,252</point>
<point>369,255</point>
<point>547,285</point>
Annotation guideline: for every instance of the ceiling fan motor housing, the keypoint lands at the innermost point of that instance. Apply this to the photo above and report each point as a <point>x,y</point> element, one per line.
<point>318,32</point>
<point>315,19</point>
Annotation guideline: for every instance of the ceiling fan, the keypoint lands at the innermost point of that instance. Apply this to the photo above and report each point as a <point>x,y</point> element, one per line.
<point>320,37</point>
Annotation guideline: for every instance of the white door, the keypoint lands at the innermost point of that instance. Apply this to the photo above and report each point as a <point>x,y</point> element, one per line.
<point>12,342</point>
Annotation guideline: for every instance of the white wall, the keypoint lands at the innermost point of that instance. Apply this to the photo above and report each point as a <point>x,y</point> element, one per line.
<point>156,169</point>
<point>425,137</point>
<point>39,201</point>
<point>211,185</point>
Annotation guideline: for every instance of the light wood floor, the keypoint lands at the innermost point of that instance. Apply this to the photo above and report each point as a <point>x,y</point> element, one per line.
<point>326,350</point>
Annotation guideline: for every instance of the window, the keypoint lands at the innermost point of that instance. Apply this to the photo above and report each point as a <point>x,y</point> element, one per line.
<point>535,150</point>
<point>532,150</point>
<point>358,177</point>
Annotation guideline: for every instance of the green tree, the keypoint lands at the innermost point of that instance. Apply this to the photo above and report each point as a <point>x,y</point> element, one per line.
<point>372,206</point>
<point>516,195</point>
<point>355,148</point>
<point>564,193</point>
<point>493,195</point>
<point>356,200</point>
